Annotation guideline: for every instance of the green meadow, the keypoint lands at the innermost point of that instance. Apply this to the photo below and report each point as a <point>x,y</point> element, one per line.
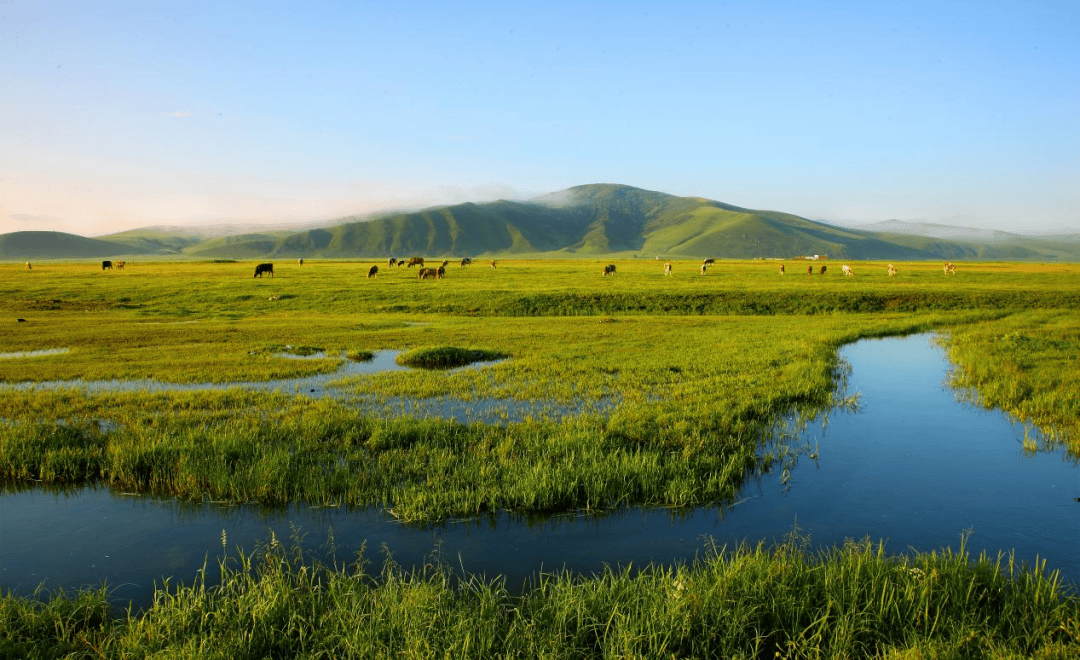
<point>682,387</point>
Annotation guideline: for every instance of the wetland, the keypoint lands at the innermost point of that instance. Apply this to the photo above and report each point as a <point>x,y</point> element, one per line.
<point>634,437</point>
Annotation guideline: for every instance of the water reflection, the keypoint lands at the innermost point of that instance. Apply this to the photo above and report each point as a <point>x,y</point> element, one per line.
<point>912,466</point>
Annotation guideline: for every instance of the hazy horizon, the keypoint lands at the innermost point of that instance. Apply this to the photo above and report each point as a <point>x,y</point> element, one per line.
<point>121,115</point>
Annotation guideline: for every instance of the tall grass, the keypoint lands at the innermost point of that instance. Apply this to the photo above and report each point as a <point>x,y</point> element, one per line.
<point>751,601</point>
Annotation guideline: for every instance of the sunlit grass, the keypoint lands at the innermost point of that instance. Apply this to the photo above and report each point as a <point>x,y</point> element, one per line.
<point>750,601</point>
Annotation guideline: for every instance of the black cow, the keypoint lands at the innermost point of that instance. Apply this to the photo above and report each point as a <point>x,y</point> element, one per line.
<point>609,270</point>
<point>373,271</point>
<point>106,265</point>
<point>264,268</point>
<point>466,262</point>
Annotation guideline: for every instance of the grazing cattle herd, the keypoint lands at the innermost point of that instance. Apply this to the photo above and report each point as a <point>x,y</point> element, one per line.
<point>440,272</point>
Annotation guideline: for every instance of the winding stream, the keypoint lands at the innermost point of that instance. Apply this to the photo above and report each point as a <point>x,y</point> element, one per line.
<point>913,466</point>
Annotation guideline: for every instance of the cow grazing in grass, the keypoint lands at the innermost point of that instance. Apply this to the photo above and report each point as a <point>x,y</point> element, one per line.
<point>300,261</point>
<point>28,266</point>
<point>373,271</point>
<point>847,271</point>
<point>809,271</point>
<point>950,269</point>
<point>445,263</point>
<point>708,262</point>
<point>466,262</point>
<point>119,265</point>
<point>703,268</point>
<point>400,263</point>
<point>391,262</point>
<point>892,270</point>
<point>781,269</point>
<point>823,269</point>
<point>106,265</point>
<point>492,264</point>
<point>439,272</point>
<point>609,270</point>
<point>667,269</point>
<point>426,273</point>
<point>416,261</point>
<point>262,269</point>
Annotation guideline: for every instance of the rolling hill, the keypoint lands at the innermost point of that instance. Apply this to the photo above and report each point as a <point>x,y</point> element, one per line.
<point>57,245</point>
<point>596,219</point>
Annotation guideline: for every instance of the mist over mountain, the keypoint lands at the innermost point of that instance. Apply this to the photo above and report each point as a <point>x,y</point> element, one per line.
<point>588,220</point>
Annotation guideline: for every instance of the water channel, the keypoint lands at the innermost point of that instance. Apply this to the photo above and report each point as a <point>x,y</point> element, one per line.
<point>914,466</point>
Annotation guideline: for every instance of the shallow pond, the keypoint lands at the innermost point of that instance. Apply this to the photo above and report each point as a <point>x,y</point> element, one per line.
<point>913,466</point>
<point>337,385</point>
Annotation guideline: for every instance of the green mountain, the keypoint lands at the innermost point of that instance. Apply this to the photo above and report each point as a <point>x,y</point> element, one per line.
<point>57,245</point>
<point>597,219</point>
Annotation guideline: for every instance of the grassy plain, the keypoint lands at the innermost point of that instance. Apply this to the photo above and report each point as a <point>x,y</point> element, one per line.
<point>681,382</point>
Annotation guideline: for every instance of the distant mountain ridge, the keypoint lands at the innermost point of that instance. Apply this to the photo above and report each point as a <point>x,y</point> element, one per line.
<point>595,219</point>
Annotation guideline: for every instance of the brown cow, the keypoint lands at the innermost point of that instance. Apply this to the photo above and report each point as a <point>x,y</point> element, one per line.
<point>373,271</point>
<point>416,261</point>
<point>118,265</point>
<point>781,269</point>
<point>609,270</point>
<point>28,266</point>
<point>439,272</point>
<point>492,264</point>
<point>426,273</point>
<point>703,267</point>
<point>950,269</point>
<point>809,270</point>
<point>264,268</point>
<point>823,269</point>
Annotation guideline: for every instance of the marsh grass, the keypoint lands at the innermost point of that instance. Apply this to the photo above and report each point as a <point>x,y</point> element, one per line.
<point>446,357</point>
<point>751,601</point>
<point>692,402</point>
<point>1026,364</point>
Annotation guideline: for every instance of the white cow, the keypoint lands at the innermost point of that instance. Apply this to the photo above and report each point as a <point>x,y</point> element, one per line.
<point>847,271</point>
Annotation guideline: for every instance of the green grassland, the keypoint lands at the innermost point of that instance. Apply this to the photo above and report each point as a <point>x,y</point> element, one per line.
<point>684,384</point>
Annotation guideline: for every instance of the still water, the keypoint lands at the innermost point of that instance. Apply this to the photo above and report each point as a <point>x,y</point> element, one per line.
<point>913,466</point>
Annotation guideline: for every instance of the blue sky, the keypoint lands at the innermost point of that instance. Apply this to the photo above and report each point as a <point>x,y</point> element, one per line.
<point>116,115</point>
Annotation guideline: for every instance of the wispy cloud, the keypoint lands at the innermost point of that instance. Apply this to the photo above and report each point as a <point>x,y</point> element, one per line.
<point>180,114</point>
